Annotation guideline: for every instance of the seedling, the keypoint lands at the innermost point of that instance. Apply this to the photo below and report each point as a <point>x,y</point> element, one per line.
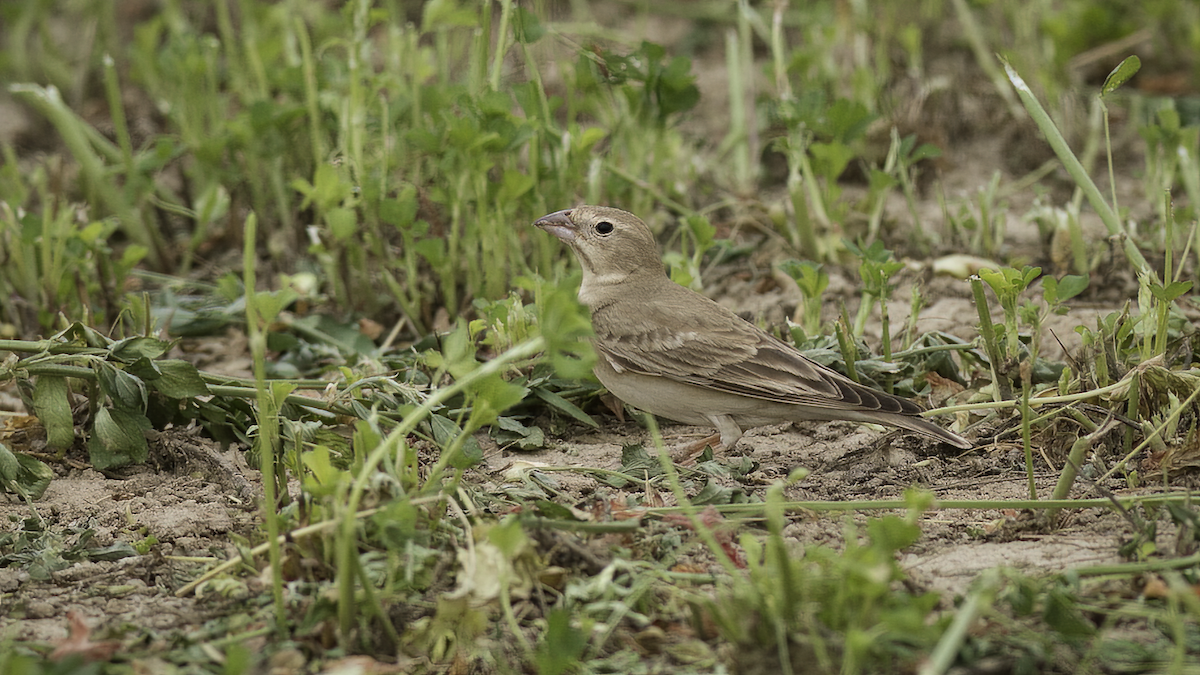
<point>899,168</point>
<point>812,281</point>
<point>876,270</point>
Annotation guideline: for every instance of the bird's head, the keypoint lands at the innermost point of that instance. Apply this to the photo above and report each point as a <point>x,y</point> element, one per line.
<point>610,243</point>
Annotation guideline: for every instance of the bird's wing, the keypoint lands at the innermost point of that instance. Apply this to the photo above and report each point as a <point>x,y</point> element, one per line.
<point>688,338</point>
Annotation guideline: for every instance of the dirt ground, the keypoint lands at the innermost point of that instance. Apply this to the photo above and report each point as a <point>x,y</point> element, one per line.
<point>193,514</point>
<point>193,499</point>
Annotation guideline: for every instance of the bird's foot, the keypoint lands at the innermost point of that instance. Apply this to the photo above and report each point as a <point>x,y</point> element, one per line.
<point>688,452</point>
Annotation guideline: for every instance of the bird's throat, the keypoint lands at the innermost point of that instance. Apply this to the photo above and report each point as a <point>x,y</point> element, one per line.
<point>599,289</point>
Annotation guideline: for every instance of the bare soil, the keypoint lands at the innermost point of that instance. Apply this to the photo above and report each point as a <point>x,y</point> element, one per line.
<point>196,500</point>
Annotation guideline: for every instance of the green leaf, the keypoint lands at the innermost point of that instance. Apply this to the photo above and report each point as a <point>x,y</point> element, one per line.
<point>925,151</point>
<point>892,533</point>
<point>563,405</point>
<point>492,396</point>
<point>52,407</point>
<point>457,354</point>
<point>118,439</point>
<point>444,433</point>
<point>323,477</point>
<point>343,223</point>
<point>432,250</point>
<point>1171,291</point>
<point>330,189</point>
<point>829,160</point>
<point>1062,614</point>
<point>180,379</point>
<point>345,336</point>
<point>514,184</point>
<point>445,14</point>
<point>808,276</point>
<point>1071,286</point>
<point>701,229</point>
<point>401,211</point>
<point>132,349</point>
<point>564,324</point>
<point>508,536</point>
<point>586,139</point>
<point>847,120</point>
<point>127,391</point>
<point>562,646</point>
<point>270,304</point>
<point>676,90</point>
<point>1008,282</point>
<point>881,180</point>
<point>1120,75</point>
<point>144,369</point>
<point>554,511</point>
<point>526,27</point>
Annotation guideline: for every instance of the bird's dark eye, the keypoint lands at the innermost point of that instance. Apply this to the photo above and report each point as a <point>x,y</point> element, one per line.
<point>604,227</point>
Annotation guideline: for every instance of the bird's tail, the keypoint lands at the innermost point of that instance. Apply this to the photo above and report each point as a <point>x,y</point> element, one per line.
<point>912,423</point>
<point>927,428</point>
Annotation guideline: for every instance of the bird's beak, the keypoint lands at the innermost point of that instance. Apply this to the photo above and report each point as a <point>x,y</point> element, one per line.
<point>558,224</point>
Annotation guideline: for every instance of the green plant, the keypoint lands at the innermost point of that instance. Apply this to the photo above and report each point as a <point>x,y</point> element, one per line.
<point>54,266</point>
<point>820,611</point>
<point>876,270</point>
<point>984,230</point>
<point>812,281</point>
<point>899,167</point>
<point>823,137</point>
<point>1079,174</point>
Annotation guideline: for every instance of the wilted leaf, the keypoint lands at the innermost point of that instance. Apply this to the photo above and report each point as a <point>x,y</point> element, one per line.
<point>79,644</point>
<point>638,463</point>
<point>114,551</point>
<point>715,493</point>
<point>9,466</point>
<point>509,431</point>
<point>23,475</point>
<point>34,476</point>
<point>118,439</point>
<point>53,409</point>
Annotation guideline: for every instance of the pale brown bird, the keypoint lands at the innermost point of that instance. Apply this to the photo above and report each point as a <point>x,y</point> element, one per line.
<point>670,351</point>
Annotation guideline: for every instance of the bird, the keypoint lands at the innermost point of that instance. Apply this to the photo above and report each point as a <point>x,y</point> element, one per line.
<point>672,352</point>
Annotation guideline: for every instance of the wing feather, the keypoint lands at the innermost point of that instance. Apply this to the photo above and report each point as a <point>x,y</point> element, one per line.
<point>720,351</point>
